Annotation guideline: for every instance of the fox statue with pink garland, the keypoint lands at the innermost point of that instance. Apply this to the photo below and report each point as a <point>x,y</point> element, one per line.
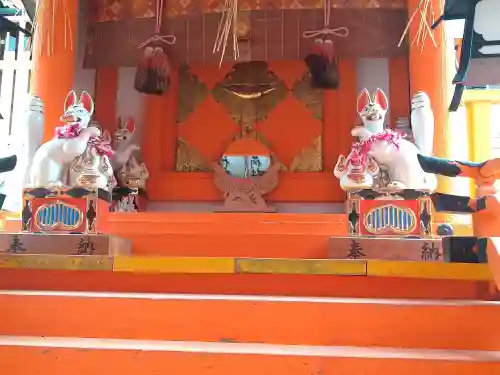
<point>395,157</point>
<point>388,191</point>
<point>69,178</point>
<point>65,185</point>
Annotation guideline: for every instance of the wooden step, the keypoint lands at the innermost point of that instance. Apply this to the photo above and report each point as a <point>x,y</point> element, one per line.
<point>229,234</point>
<point>247,284</point>
<point>258,235</point>
<point>231,243</point>
<point>60,356</point>
<point>253,319</point>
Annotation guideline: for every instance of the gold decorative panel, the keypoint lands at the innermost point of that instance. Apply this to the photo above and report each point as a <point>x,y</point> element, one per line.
<point>191,93</point>
<point>188,159</point>
<point>311,98</point>
<point>250,92</point>
<point>310,159</point>
<point>272,101</point>
<point>109,10</point>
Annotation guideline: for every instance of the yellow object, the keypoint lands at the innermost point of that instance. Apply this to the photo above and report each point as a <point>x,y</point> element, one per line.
<point>173,264</point>
<point>492,96</point>
<point>429,270</point>
<point>3,221</point>
<point>479,132</point>
<point>56,262</point>
<point>302,266</point>
<point>213,265</point>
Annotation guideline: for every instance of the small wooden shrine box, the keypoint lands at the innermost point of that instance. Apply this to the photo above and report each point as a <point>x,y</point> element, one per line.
<point>404,213</point>
<point>65,210</point>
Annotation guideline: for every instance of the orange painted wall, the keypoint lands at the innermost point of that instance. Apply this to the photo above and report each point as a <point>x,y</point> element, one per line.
<point>399,88</point>
<point>106,87</point>
<point>339,115</point>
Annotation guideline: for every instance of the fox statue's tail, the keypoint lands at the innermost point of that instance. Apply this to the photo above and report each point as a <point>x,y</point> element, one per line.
<point>32,133</point>
<point>8,163</point>
<point>422,122</point>
<point>24,143</point>
<point>483,173</point>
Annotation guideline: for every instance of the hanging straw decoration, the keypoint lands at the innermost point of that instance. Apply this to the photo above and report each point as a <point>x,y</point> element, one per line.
<point>153,73</point>
<point>227,25</point>
<point>321,61</point>
<point>426,11</point>
<point>44,27</point>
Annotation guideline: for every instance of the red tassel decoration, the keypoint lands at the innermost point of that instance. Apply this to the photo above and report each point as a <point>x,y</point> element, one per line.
<point>322,65</point>
<point>153,73</point>
<point>321,61</point>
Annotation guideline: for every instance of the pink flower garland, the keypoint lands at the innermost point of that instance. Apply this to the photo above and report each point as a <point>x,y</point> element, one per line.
<point>102,147</point>
<point>360,149</point>
<point>72,131</point>
<point>68,131</point>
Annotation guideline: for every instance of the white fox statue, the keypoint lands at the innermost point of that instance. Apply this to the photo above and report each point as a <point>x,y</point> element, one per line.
<point>50,162</point>
<point>395,155</point>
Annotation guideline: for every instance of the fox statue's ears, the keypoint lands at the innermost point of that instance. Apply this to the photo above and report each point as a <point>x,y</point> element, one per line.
<point>363,100</point>
<point>381,99</point>
<point>70,100</point>
<point>85,101</point>
<point>129,124</point>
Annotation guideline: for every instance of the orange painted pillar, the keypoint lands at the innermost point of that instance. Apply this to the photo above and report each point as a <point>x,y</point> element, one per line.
<point>54,56</point>
<point>429,72</point>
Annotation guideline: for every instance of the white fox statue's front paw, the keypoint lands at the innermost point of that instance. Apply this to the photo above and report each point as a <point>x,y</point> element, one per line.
<point>355,172</point>
<point>361,132</point>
